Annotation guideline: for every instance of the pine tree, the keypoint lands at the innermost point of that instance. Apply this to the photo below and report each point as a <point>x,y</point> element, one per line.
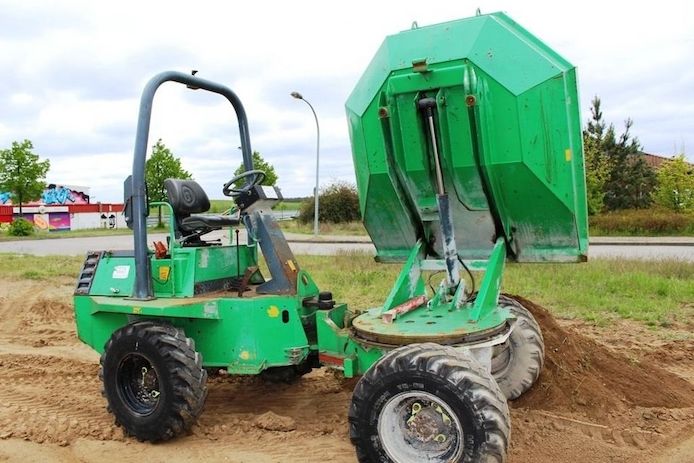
<point>628,181</point>
<point>597,168</point>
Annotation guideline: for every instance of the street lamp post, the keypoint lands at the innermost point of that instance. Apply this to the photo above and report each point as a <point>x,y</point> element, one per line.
<point>298,96</point>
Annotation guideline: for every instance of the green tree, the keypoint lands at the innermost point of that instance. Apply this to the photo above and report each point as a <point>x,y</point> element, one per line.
<point>596,176</point>
<point>676,185</point>
<point>629,181</point>
<point>160,166</point>
<point>338,203</point>
<point>597,169</point>
<point>21,172</point>
<point>260,164</point>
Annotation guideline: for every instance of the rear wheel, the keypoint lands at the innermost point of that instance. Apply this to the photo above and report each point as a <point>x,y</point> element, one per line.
<point>517,363</point>
<point>153,380</point>
<point>426,402</point>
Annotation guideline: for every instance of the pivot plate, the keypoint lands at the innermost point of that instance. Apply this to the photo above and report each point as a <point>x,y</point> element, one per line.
<point>439,324</point>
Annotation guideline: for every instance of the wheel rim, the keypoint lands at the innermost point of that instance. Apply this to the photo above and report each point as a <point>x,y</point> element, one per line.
<point>501,357</point>
<point>418,426</point>
<point>138,384</point>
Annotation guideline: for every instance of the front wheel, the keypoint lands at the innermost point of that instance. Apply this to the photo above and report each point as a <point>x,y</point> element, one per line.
<point>426,402</point>
<point>153,380</point>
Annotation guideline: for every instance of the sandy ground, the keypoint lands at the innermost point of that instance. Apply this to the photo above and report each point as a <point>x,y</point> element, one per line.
<point>623,394</point>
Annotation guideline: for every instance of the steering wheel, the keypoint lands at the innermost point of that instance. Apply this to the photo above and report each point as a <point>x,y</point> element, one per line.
<point>257,177</point>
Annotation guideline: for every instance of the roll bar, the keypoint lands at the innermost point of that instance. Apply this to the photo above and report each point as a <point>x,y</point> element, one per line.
<point>138,196</point>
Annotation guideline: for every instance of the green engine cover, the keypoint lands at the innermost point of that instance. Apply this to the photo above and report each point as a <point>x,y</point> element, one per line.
<point>508,133</point>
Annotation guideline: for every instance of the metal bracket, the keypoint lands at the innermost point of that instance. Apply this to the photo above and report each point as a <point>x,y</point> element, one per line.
<point>409,283</point>
<point>279,257</point>
<point>488,294</point>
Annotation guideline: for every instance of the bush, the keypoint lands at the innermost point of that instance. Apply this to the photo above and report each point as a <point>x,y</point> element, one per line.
<point>642,222</point>
<point>21,227</point>
<point>338,203</point>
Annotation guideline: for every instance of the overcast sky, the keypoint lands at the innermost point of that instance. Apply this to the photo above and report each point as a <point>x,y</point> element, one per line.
<point>73,71</point>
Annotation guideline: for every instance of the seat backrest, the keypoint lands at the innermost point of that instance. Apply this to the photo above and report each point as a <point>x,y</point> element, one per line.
<point>186,197</point>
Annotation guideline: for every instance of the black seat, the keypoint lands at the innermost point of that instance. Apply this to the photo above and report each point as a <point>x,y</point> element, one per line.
<point>187,197</point>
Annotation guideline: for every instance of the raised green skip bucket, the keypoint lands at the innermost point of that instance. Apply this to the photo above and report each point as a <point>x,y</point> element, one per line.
<point>509,137</point>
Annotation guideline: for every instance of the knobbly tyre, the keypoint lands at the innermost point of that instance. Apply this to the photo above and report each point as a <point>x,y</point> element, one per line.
<point>467,148</point>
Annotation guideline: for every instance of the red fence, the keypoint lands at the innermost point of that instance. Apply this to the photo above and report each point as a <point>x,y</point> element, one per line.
<point>5,214</point>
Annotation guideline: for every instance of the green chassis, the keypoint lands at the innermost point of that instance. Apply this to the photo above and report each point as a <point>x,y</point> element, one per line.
<point>252,333</point>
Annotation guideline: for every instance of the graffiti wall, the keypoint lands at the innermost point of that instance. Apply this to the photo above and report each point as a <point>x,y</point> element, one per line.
<point>54,195</point>
<point>53,221</point>
<point>65,208</point>
<point>59,221</point>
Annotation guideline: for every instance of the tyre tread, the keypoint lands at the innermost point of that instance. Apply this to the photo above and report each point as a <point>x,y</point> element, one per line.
<point>471,379</point>
<point>184,365</point>
<point>521,376</point>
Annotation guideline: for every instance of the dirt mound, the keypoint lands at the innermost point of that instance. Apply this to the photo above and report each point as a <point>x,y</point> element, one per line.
<point>51,408</point>
<point>50,310</point>
<point>273,422</point>
<point>583,376</point>
<point>673,352</point>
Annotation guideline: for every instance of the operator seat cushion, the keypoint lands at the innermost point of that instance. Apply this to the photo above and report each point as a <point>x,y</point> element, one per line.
<point>201,222</point>
<point>187,197</point>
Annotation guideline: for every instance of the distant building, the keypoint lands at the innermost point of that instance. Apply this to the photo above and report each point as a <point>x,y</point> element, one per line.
<point>64,207</point>
<point>656,160</point>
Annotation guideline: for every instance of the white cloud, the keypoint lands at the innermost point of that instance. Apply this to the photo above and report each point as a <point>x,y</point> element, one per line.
<point>106,184</point>
<point>74,70</point>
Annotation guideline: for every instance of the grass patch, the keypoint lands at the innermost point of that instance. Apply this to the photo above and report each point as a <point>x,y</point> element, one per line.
<point>354,278</point>
<point>46,235</point>
<point>288,205</point>
<point>22,266</point>
<point>642,222</point>
<point>658,294</point>
<point>217,206</point>
<point>348,228</point>
<point>654,293</point>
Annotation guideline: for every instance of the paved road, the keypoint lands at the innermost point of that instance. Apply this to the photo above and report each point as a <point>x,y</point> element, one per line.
<point>648,252</point>
<point>79,246</point>
<point>626,248</point>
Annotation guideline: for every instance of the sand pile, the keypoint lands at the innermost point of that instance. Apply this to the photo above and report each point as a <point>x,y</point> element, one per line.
<point>583,376</point>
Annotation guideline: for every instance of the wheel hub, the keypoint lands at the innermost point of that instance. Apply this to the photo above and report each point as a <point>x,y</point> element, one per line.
<point>418,426</point>
<point>427,423</point>
<point>138,384</point>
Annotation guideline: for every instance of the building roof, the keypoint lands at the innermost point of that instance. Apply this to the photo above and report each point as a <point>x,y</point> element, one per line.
<point>656,160</point>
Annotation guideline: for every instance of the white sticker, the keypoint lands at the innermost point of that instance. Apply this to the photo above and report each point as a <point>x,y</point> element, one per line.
<point>204,257</point>
<point>210,310</point>
<point>120,272</point>
<point>270,192</point>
